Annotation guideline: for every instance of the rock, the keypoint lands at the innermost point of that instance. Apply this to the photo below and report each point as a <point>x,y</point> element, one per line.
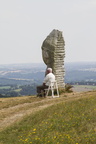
<point>53,53</point>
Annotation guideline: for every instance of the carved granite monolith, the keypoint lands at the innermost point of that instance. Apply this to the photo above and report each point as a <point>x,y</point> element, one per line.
<point>53,53</point>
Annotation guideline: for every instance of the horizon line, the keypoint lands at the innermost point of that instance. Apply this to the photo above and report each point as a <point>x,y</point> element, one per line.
<point>44,63</point>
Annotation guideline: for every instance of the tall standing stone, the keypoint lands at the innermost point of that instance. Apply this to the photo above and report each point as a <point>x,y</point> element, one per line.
<point>53,53</point>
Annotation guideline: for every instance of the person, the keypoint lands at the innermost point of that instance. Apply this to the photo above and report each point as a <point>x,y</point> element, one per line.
<point>50,77</point>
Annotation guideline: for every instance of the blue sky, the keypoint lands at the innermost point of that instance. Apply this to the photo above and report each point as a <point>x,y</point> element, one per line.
<point>24,24</point>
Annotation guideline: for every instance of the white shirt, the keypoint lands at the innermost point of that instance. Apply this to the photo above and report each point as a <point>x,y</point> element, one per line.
<point>49,78</point>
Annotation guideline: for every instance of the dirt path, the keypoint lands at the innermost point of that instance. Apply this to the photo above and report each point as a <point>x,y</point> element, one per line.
<point>14,113</point>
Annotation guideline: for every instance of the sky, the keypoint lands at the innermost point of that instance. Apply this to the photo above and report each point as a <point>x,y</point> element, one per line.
<point>24,24</point>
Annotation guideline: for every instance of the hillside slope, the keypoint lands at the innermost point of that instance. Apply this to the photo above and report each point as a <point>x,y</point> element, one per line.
<point>13,110</point>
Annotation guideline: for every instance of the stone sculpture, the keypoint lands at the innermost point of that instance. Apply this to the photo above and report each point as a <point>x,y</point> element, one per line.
<point>53,53</point>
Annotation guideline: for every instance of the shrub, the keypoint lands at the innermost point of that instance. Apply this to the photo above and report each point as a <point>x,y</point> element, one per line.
<point>68,88</point>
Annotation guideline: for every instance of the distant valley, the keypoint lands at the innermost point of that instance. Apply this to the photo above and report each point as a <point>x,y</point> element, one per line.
<point>22,79</point>
<point>84,73</point>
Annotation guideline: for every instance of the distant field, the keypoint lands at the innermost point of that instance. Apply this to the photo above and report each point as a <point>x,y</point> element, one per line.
<point>80,88</point>
<point>5,87</point>
<point>18,90</point>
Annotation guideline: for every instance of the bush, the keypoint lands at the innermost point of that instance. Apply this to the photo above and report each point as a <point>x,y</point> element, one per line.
<point>68,88</point>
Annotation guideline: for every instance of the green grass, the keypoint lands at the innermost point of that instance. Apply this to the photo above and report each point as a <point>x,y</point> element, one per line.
<point>72,122</point>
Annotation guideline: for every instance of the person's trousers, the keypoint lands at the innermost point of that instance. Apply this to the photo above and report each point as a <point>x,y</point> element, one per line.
<point>41,90</point>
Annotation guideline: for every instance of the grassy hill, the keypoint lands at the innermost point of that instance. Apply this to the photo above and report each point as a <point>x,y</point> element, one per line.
<point>70,119</point>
